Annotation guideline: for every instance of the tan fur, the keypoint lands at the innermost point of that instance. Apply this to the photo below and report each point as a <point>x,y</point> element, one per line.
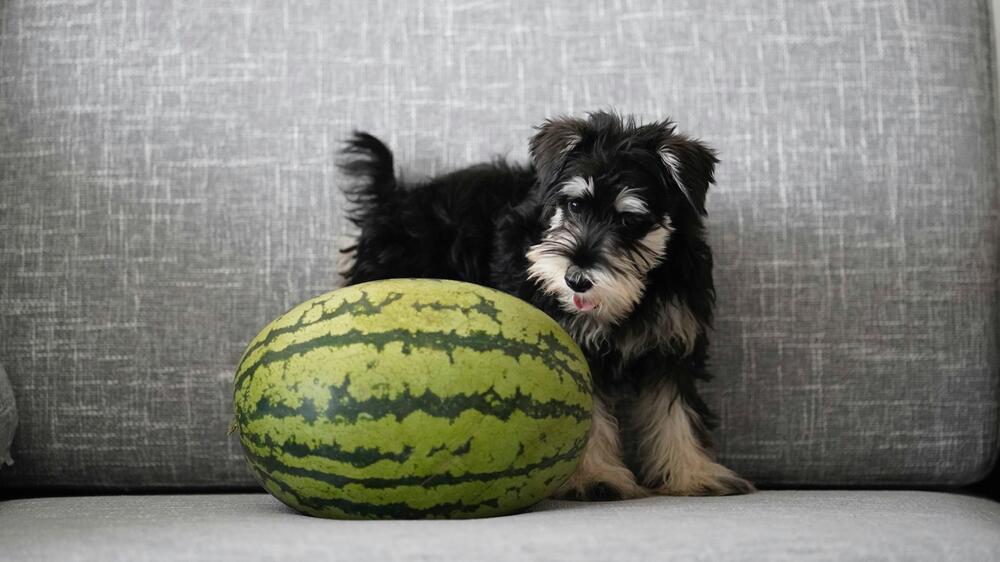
<point>578,187</point>
<point>677,328</point>
<point>673,164</point>
<point>627,202</point>
<point>673,461</point>
<point>683,326</point>
<point>602,460</point>
<point>345,260</point>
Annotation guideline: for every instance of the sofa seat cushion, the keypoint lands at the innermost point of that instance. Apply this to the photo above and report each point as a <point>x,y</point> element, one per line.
<point>777,525</point>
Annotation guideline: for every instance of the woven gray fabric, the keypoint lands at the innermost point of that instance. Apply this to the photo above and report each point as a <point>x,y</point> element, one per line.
<point>776,526</point>
<point>8,418</point>
<point>167,186</point>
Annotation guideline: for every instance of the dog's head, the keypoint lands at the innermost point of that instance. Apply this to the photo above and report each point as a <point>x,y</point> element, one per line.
<point>614,193</point>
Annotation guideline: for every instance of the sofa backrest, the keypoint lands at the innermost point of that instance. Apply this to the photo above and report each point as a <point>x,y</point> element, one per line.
<point>168,185</point>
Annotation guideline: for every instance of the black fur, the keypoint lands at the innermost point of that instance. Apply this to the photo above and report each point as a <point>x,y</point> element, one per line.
<point>477,224</point>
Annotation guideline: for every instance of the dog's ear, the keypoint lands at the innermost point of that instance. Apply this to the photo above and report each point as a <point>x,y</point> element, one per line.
<point>554,140</point>
<point>690,165</point>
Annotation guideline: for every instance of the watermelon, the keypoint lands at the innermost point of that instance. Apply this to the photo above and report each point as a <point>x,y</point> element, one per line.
<point>412,398</point>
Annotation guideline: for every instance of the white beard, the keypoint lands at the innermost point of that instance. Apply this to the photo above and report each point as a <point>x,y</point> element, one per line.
<point>616,289</point>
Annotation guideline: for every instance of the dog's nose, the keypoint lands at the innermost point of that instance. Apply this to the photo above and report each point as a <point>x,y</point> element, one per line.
<point>577,280</point>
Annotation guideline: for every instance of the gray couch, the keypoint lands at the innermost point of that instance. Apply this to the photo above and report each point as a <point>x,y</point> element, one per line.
<point>168,185</point>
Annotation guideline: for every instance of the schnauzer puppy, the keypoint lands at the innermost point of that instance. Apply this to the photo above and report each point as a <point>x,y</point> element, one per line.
<point>603,231</point>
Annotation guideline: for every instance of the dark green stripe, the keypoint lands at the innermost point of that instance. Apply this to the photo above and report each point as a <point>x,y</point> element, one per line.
<point>385,511</point>
<point>361,307</point>
<point>272,464</point>
<point>359,458</point>
<point>461,450</point>
<point>489,403</point>
<point>485,307</point>
<point>448,342</point>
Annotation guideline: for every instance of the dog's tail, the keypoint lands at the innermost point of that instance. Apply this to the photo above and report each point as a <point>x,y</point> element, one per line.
<point>368,163</point>
<point>369,189</point>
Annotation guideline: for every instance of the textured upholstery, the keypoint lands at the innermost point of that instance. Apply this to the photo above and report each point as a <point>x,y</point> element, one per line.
<point>794,526</point>
<point>167,186</point>
<point>8,418</point>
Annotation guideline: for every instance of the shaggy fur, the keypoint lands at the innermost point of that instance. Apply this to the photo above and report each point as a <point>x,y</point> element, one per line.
<point>604,232</point>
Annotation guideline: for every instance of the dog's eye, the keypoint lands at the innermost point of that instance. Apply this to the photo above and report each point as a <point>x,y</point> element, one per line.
<point>574,205</point>
<point>632,219</point>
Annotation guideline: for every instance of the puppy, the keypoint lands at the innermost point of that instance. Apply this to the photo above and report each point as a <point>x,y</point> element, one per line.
<point>603,231</point>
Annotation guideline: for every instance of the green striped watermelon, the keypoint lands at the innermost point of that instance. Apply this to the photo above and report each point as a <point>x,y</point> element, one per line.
<point>412,398</point>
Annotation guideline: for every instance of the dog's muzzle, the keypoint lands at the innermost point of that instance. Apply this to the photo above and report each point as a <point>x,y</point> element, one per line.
<point>577,279</point>
<point>579,282</point>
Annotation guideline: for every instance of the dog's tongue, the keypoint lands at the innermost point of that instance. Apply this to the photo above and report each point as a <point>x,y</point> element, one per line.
<point>581,304</point>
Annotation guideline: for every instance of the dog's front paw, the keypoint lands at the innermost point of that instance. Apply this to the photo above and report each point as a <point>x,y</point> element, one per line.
<point>710,479</point>
<point>602,474</point>
<point>610,481</point>
<point>600,490</point>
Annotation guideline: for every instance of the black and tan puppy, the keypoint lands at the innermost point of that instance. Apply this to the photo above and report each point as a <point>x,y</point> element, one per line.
<point>603,231</point>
